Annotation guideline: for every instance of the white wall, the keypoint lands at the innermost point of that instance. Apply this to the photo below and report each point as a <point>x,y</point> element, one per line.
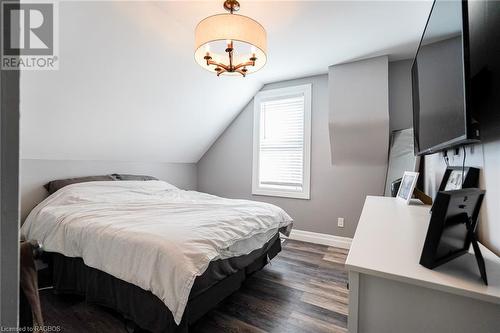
<point>127,88</point>
<point>489,229</point>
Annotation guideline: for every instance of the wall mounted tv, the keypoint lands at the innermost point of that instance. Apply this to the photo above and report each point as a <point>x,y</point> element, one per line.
<point>442,117</point>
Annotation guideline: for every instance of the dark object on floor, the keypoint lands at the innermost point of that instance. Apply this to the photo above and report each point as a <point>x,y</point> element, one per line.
<point>221,279</point>
<point>452,228</point>
<point>30,312</point>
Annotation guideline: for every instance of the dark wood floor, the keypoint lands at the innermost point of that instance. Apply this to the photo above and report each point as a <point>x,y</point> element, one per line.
<point>302,290</point>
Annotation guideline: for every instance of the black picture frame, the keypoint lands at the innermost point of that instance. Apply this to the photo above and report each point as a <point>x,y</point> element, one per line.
<point>470,175</point>
<point>452,228</point>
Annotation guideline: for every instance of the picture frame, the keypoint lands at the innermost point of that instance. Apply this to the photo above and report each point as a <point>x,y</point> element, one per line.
<point>452,228</point>
<point>452,178</point>
<point>408,182</point>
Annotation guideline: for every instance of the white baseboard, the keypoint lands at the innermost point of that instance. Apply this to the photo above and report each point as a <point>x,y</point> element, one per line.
<point>323,239</point>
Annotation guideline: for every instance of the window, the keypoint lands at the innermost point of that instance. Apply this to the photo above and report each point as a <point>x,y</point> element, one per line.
<point>282,142</point>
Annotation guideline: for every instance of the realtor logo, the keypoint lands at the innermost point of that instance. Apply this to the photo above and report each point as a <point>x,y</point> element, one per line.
<point>29,35</point>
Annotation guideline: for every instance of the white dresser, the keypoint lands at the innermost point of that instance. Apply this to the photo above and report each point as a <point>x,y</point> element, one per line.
<point>389,291</point>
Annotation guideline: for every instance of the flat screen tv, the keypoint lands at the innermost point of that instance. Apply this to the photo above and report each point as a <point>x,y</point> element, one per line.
<point>442,118</point>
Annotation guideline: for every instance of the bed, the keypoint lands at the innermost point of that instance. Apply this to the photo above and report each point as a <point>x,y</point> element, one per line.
<point>160,256</point>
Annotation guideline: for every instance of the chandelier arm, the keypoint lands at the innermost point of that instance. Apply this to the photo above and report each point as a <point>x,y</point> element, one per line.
<point>222,71</point>
<point>241,72</point>
<point>244,64</point>
<point>211,62</point>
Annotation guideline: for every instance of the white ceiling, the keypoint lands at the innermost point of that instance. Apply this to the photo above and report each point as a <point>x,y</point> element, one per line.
<point>128,87</point>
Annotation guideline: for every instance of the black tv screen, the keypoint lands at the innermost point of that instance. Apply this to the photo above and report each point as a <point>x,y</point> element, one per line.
<point>440,81</point>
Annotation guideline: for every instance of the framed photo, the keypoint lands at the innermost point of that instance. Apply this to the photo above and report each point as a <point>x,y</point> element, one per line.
<point>451,228</point>
<point>407,186</point>
<point>456,178</point>
<point>454,181</point>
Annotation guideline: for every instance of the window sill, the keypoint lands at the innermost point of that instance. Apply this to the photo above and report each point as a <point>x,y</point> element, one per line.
<point>281,194</point>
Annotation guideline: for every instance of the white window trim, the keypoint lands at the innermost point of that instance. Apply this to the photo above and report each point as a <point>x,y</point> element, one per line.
<point>275,94</point>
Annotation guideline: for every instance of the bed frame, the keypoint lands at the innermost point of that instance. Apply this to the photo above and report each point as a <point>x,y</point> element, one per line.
<point>148,312</point>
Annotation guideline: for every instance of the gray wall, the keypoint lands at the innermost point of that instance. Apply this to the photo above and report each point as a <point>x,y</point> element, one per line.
<point>9,197</point>
<point>359,115</point>
<point>400,103</point>
<point>35,173</point>
<point>359,133</point>
<point>226,168</point>
<point>336,190</point>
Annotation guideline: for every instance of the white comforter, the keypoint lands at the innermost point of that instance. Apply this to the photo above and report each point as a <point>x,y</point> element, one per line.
<point>149,233</point>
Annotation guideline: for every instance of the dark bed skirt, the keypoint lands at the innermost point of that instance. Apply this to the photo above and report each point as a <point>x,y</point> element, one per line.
<point>221,279</point>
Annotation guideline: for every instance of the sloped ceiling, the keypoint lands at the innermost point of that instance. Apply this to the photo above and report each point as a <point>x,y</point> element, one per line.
<point>128,87</point>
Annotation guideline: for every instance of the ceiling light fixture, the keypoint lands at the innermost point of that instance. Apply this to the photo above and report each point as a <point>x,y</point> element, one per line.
<point>230,44</point>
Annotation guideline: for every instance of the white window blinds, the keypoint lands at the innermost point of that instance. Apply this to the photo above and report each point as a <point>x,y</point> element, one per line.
<point>282,141</point>
<point>281,149</point>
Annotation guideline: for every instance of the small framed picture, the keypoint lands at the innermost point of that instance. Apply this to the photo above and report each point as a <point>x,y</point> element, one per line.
<point>454,181</point>
<point>407,186</point>
<point>457,177</point>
